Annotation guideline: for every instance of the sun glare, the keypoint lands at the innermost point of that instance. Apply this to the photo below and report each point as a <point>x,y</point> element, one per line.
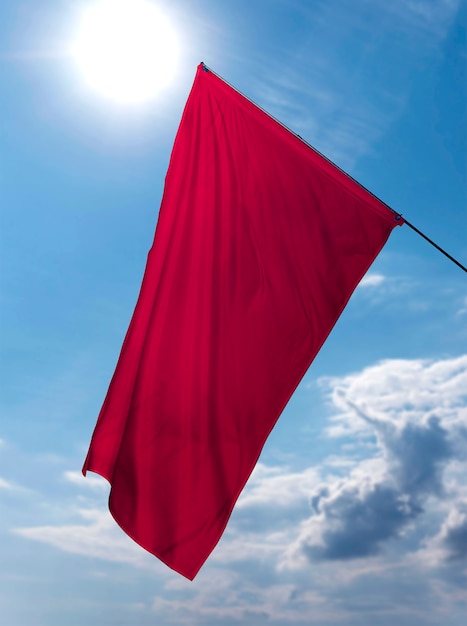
<point>126,49</point>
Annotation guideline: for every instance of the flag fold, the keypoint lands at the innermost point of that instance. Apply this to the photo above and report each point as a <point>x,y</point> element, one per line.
<point>259,244</point>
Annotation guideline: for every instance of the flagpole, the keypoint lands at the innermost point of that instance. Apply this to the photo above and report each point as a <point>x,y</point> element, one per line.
<point>435,245</point>
<point>397,216</point>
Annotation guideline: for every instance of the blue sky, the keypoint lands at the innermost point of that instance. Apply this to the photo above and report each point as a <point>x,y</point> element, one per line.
<point>357,511</point>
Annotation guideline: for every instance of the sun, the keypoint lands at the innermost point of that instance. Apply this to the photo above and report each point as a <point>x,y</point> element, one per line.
<point>126,49</point>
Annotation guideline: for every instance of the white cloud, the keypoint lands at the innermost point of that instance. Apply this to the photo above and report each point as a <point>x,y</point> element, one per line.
<point>399,391</point>
<point>98,537</point>
<point>88,482</point>
<point>224,595</point>
<point>449,546</point>
<point>415,411</point>
<point>4,484</point>
<point>372,280</point>
<point>278,486</point>
<point>262,544</point>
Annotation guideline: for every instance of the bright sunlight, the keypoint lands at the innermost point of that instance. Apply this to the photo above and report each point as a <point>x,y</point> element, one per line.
<point>126,49</point>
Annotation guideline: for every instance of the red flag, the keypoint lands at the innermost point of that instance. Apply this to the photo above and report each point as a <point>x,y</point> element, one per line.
<point>259,244</point>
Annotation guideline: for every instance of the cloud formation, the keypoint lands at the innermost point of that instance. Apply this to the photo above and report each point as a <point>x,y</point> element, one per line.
<point>390,512</point>
<point>372,280</point>
<point>454,536</point>
<point>4,484</point>
<point>90,482</point>
<point>355,516</point>
<point>98,537</point>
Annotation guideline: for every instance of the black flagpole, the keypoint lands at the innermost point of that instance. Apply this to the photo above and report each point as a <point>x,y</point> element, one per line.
<point>398,216</point>
<point>435,245</point>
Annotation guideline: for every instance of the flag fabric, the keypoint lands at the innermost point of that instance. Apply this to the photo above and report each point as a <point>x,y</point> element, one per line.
<point>259,244</point>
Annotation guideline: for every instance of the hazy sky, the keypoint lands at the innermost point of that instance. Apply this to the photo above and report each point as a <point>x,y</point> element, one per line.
<point>356,514</point>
